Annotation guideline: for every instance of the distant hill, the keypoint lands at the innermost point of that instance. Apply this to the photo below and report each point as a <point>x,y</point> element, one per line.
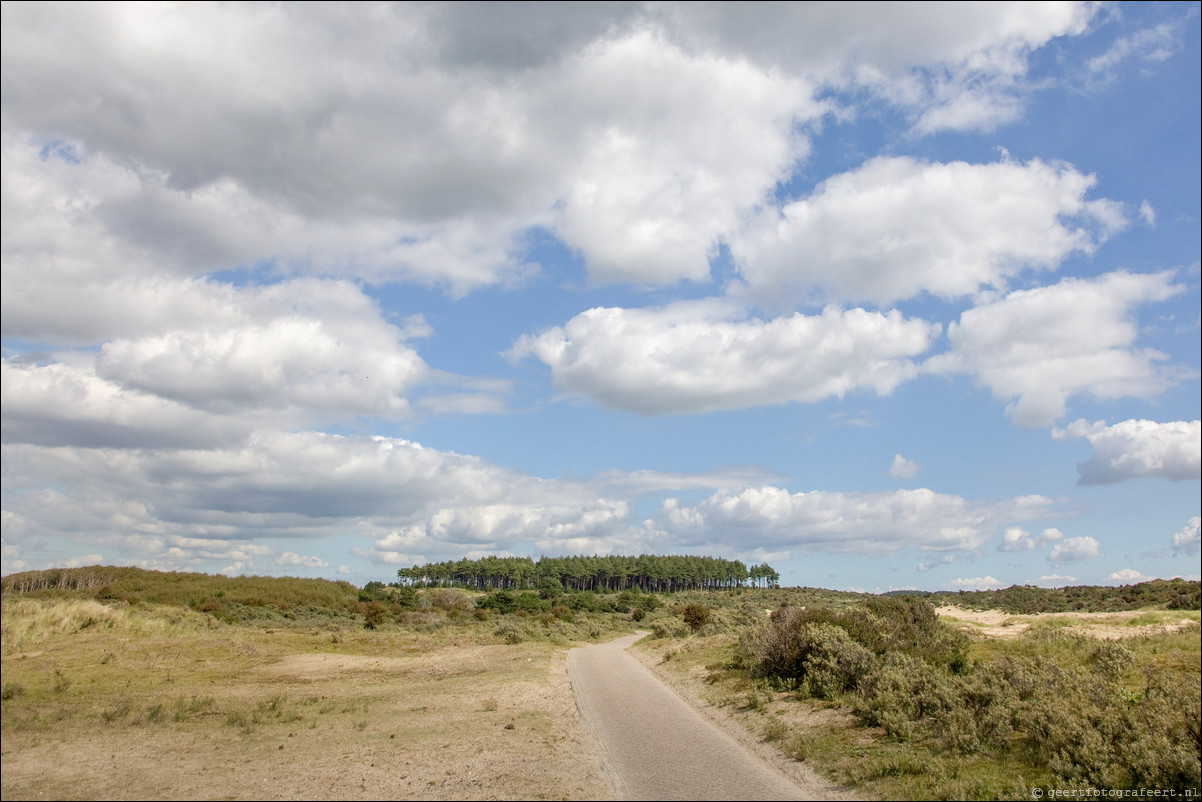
<point>1171,594</point>
<point>215,593</point>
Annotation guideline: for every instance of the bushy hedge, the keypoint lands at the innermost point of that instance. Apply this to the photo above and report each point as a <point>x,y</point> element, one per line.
<point>1056,699</point>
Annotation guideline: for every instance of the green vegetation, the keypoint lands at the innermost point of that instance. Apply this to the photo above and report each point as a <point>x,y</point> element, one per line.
<point>649,573</point>
<point>875,691</point>
<point>878,693</point>
<point>269,601</point>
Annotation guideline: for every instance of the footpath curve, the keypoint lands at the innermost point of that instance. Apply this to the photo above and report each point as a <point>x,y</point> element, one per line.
<point>654,745</point>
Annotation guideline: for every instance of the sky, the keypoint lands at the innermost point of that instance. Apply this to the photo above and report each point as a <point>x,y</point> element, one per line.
<point>887,296</point>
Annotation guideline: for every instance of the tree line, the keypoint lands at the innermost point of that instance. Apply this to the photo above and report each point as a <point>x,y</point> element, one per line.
<point>1173,594</point>
<point>610,574</point>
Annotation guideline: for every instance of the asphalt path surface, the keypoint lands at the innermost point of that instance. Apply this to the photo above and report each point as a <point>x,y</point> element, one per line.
<point>654,745</point>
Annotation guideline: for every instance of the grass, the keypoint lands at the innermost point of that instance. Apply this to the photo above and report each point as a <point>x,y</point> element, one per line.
<point>117,700</point>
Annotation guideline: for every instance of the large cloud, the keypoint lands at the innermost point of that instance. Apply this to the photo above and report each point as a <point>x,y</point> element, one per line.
<point>59,405</point>
<point>897,227</point>
<point>1138,448</point>
<point>326,139</point>
<point>1075,549</point>
<point>393,493</point>
<point>422,140</point>
<point>694,357</point>
<point>320,347</point>
<point>959,68</point>
<point>867,523</point>
<point>325,360</point>
<point>1038,348</point>
<point>1186,540</point>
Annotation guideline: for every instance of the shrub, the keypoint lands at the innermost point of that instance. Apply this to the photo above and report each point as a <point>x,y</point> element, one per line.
<point>825,638</point>
<point>404,597</point>
<point>776,730</point>
<point>449,599</point>
<point>669,627</point>
<point>820,657</point>
<point>504,601</point>
<point>985,707</point>
<point>903,694</point>
<point>1092,733</point>
<point>550,587</point>
<point>372,591</point>
<point>510,632</point>
<point>695,615</point>
<point>834,663</point>
<point>1111,659</point>
<point>374,614</point>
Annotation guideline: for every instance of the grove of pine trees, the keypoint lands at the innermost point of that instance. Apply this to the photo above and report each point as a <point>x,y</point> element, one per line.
<point>648,573</point>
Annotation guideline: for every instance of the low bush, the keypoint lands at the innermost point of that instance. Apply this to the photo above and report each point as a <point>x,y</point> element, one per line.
<point>510,632</point>
<point>449,599</point>
<point>903,694</point>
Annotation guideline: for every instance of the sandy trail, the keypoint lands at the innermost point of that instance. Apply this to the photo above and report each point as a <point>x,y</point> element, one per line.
<point>654,745</point>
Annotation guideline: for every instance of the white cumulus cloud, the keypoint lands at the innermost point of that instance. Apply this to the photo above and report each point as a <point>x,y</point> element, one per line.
<point>868,523</point>
<point>1142,448</point>
<point>1055,581</point>
<point>1037,348</point>
<point>1128,576</point>
<point>896,227</point>
<point>1015,538</point>
<point>975,583</point>
<point>1075,549</point>
<point>1186,540</point>
<point>902,468</point>
<point>694,357</point>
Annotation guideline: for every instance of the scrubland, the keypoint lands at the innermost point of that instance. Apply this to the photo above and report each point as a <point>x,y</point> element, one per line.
<point>122,684</point>
<point>104,699</point>
<point>885,697</point>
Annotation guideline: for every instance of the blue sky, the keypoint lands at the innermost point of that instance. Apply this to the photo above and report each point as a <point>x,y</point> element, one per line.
<point>889,296</point>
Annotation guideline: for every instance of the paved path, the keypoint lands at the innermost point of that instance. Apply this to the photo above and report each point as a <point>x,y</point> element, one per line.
<point>654,745</point>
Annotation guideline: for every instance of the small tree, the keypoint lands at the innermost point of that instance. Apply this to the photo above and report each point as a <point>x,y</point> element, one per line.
<point>695,615</point>
<point>374,614</point>
<point>550,588</point>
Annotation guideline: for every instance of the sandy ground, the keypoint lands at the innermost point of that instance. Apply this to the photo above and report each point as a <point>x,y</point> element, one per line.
<point>418,721</point>
<point>459,722</point>
<point>238,714</point>
<point>1111,626</point>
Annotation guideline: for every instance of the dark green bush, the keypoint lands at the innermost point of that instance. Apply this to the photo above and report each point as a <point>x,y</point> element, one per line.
<point>374,614</point>
<point>504,601</point>
<point>695,615</point>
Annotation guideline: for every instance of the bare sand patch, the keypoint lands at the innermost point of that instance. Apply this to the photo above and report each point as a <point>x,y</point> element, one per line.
<point>1108,626</point>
